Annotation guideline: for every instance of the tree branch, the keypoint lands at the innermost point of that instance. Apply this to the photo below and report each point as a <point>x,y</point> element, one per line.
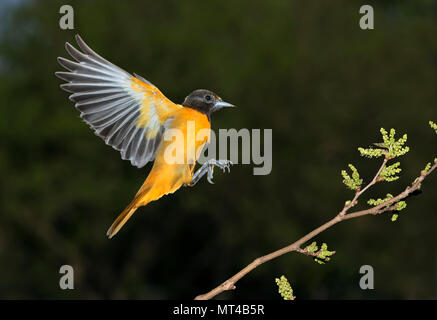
<point>388,205</point>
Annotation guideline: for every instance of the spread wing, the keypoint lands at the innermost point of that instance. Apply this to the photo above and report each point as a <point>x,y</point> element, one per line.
<point>128,112</point>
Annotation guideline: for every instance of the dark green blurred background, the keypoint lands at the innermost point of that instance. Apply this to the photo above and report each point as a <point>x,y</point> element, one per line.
<point>303,68</point>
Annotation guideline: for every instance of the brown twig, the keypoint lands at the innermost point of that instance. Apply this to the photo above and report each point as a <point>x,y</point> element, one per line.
<point>388,205</point>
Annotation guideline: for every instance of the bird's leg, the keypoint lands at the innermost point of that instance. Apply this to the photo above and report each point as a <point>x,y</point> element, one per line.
<point>208,167</point>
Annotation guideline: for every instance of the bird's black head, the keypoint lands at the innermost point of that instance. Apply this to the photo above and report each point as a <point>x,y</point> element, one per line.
<point>205,101</point>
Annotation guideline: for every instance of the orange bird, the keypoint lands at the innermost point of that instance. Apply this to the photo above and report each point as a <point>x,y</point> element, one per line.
<point>133,117</point>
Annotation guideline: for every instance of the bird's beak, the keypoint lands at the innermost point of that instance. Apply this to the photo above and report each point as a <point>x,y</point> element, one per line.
<point>222,104</point>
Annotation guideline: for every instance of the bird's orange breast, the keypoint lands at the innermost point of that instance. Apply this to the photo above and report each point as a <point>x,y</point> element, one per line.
<point>189,131</point>
<point>186,135</point>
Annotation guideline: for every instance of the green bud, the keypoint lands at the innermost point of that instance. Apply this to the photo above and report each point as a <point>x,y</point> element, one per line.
<point>284,288</point>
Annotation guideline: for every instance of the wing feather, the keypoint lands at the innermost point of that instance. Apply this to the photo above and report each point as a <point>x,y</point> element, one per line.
<point>128,112</point>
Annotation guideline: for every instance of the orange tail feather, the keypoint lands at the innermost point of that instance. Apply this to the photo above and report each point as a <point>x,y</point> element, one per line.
<point>122,218</point>
<point>151,190</point>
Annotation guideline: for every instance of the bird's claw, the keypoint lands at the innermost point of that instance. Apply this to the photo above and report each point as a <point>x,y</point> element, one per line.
<point>210,173</point>
<point>222,164</point>
<point>208,168</point>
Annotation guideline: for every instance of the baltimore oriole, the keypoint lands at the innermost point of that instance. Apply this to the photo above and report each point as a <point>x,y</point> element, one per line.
<point>132,116</point>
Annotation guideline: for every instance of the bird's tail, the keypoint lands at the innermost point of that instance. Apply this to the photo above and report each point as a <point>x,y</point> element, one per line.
<point>143,197</point>
<point>151,190</point>
<point>123,217</point>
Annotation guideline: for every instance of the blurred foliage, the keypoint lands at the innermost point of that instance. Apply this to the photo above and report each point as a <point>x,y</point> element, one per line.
<point>303,68</point>
<point>433,125</point>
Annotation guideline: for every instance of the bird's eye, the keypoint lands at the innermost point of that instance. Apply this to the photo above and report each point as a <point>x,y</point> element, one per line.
<point>208,98</point>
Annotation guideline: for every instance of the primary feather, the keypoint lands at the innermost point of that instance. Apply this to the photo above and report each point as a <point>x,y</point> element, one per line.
<point>128,112</point>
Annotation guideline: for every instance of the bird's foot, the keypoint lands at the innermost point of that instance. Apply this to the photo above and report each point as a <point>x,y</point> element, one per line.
<point>208,167</point>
